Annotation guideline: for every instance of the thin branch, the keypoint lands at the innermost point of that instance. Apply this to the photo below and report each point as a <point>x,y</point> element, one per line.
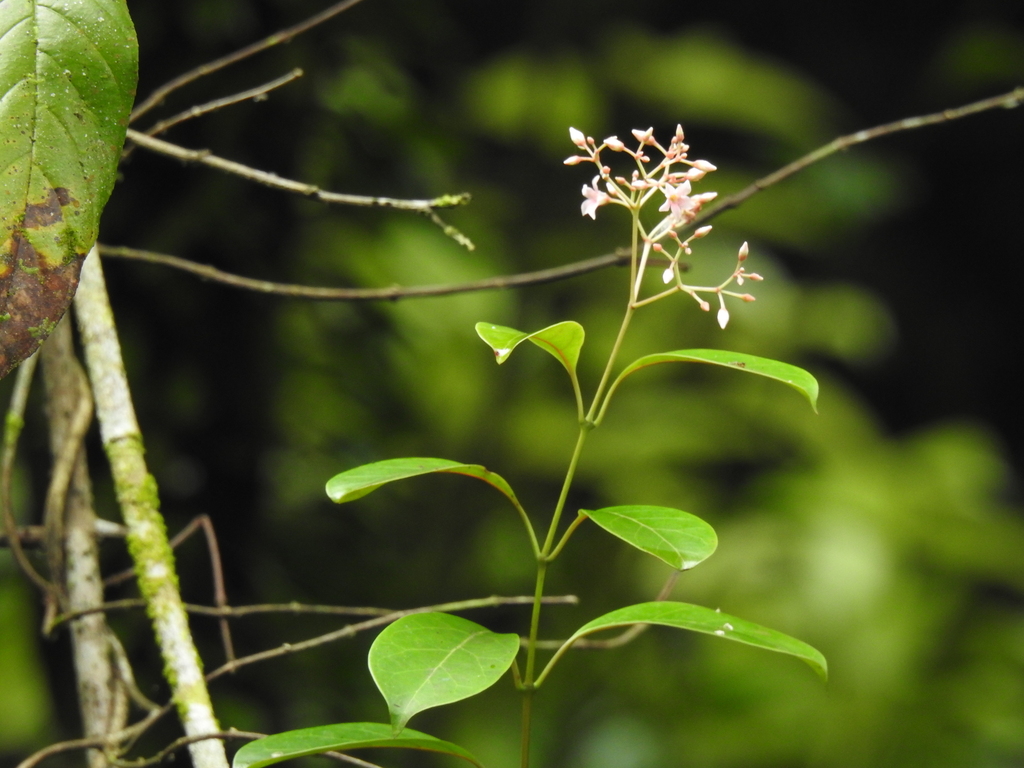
<point>235,612</point>
<point>256,94</point>
<point>1010,100</point>
<point>352,629</point>
<point>184,741</point>
<point>393,293</point>
<point>201,522</point>
<point>277,38</point>
<point>427,208</point>
<point>35,535</point>
<point>13,425</point>
<point>205,157</point>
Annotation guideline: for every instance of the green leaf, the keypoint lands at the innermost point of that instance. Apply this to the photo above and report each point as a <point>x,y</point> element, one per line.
<point>562,340</point>
<point>700,619</point>
<point>429,659</point>
<point>67,81</point>
<point>356,483</point>
<point>795,377</point>
<point>680,539</point>
<point>341,738</point>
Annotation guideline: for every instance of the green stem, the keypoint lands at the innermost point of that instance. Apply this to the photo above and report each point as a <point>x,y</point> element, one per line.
<point>524,750</point>
<point>565,537</point>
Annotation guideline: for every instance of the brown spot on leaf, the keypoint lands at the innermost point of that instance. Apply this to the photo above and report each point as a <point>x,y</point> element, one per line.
<point>35,292</point>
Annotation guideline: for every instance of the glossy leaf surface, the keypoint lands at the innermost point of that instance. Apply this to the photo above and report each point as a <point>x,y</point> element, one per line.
<point>339,738</point>
<point>795,377</point>
<point>429,659</point>
<point>680,539</point>
<point>562,340</point>
<point>356,483</point>
<point>699,619</point>
<point>67,81</point>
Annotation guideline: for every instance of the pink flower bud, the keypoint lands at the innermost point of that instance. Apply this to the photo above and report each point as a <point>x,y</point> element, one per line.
<point>644,137</point>
<point>705,197</point>
<point>679,133</point>
<point>704,305</point>
<point>578,138</point>
<point>748,297</point>
<point>723,318</point>
<point>744,251</point>
<point>695,174</point>
<point>755,276</point>
<point>613,143</point>
<point>704,165</point>
<point>574,160</point>
<point>702,231</point>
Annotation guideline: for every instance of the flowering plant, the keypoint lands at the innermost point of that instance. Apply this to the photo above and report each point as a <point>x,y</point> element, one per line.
<point>427,659</point>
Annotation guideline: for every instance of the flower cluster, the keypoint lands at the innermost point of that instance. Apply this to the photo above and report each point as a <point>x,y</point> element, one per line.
<point>671,178</point>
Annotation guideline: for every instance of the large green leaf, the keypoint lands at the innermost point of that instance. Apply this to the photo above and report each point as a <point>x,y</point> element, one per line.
<point>356,483</point>
<point>338,738</point>
<point>700,619</point>
<point>562,340</point>
<point>680,539</point>
<point>795,377</point>
<point>429,659</point>
<point>67,79</point>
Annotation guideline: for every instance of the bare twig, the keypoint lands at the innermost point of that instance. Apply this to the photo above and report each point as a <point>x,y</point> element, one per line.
<point>393,293</point>
<point>184,741</point>
<point>427,208</point>
<point>35,535</point>
<point>277,38</point>
<point>205,157</point>
<point>257,94</point>
<point>1010,100</point>
<point>235,612</point>
<point>201,522</point>
<point>352,629</point>
<point>12,430</point>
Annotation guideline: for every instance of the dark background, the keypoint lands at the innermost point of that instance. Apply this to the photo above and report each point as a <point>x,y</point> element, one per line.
<point>887,531</point>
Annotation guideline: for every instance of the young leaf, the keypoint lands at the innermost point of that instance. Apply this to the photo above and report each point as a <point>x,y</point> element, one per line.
<point>680,539</point>
<point>67,80</point>
<point>429,659</point>
<point>795,377</point>
<point>356,483</point>
<point>562,340</point>
<point>700,619</point>
<point>341,737</point>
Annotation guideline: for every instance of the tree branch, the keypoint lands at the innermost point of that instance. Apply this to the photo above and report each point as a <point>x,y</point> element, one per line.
<point>257,94</point>
<point>393,293</point>
<point>139,502</point>
<point>277,38</point>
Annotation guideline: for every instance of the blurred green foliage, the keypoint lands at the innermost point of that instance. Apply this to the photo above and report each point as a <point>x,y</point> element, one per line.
<point>898,556</point>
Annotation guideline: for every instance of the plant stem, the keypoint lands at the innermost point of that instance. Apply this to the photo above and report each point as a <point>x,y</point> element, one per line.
<point>524,749</point>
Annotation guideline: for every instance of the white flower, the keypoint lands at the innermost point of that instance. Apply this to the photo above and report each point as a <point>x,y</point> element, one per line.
<point>595,199</point>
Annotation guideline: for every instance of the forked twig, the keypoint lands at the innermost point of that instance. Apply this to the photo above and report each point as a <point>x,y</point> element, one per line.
<point>277,38</point>
<point>258,94</point>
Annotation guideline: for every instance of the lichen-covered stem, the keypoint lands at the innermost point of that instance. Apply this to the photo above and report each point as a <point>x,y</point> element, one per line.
<point>137,496</point>
<point>101,700</point>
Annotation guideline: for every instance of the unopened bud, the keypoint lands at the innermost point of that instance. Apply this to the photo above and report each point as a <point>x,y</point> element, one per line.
<point>679,132</point>
<point>723,318</point>
<point>701,232</point>
<point>755,276</point>
<point>605,170</point>
<point>613,143</point>
<point>748,297</point>
<point>704,305</point>
<point>695,174</point>
<point>574,160</point>
<point>704,165</point>
<point>658,247</point>
<point>744,251</point>
<point>578,138</point>
<point>644,137</point>
<point>705,197</point>
<point>667,275</point>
